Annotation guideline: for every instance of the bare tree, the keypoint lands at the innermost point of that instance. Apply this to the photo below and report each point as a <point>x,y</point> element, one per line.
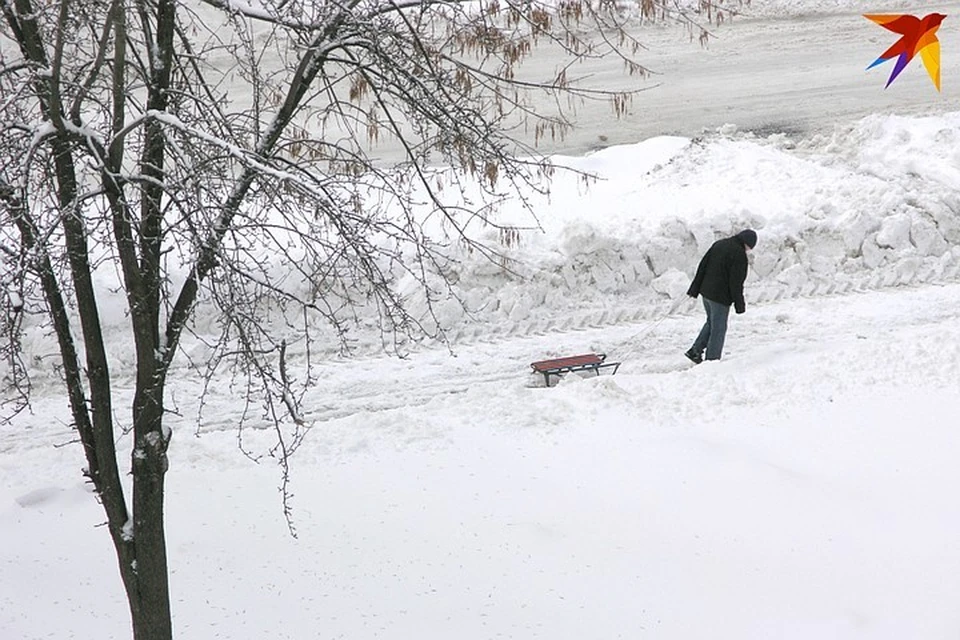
<point>220,155</point>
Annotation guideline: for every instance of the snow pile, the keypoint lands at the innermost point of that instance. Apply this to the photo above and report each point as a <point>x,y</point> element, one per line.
<point>873,205</point>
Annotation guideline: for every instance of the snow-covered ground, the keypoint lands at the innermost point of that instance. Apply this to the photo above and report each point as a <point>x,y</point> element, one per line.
<point>801,487</point>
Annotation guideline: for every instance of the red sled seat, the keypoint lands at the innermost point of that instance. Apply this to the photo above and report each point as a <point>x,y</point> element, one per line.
<point>584,362</point>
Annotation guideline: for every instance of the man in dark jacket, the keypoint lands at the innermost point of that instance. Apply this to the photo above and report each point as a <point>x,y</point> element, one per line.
<point>719,281</point>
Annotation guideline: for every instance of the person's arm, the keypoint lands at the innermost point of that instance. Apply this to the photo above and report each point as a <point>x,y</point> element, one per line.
<point>738,274</point>
<point>694,289</point>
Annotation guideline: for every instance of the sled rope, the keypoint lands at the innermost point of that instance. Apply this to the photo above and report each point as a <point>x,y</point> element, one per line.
<point>636,340</point>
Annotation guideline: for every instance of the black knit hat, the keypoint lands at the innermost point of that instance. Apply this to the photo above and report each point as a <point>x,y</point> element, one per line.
<point>748,237</point>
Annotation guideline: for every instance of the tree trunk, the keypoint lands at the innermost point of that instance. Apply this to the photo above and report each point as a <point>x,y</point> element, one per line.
<point>151,615</point>
<point>151,618</point>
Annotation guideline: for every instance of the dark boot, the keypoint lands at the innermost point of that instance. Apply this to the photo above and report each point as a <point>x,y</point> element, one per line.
<point>695,357</point>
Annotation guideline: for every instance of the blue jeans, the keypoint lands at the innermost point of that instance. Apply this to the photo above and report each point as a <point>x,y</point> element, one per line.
<point>714,330</point>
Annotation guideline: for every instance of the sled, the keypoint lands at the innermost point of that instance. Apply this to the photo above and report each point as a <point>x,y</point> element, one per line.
<point>585,362</point>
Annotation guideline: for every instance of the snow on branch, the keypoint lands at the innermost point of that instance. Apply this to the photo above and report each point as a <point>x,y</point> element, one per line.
<point>237,7</point>
<point>246,157</point>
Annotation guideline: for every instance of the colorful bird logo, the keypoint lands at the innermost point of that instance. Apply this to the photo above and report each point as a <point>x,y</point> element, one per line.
<point>919,35</point>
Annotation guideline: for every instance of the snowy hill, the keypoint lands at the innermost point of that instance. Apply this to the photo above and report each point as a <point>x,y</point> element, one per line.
<point>874,204</point>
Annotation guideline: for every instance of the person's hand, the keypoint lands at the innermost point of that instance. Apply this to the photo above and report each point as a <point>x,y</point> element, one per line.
<point>741,310</point>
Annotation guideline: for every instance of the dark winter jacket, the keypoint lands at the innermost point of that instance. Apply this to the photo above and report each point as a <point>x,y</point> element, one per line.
<point>721,273</point>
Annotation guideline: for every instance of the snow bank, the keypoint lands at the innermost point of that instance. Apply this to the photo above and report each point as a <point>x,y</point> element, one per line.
<point>874,204</point>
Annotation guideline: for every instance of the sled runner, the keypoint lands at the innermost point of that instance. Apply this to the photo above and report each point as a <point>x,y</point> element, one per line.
<point>585,362</point>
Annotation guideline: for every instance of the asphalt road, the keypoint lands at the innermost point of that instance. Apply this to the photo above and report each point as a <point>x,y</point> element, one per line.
<point>797,75</point>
